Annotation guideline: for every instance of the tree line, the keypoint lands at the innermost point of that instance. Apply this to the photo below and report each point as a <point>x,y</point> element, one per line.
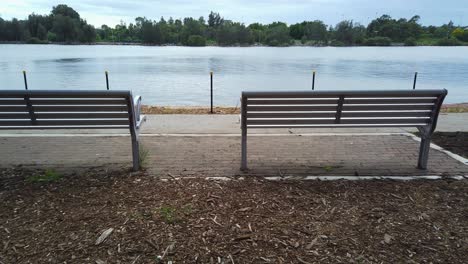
<point>65,25</point>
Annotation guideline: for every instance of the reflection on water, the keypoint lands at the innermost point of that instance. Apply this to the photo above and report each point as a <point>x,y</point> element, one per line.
<point>180,75</point>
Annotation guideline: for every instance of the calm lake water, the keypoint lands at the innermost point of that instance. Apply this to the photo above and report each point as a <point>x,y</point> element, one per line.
<point>180,75</point>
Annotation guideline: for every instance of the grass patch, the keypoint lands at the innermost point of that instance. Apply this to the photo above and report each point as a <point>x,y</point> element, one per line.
<point>143,155</point>
<point>172,215</point>
<point>47,176</point>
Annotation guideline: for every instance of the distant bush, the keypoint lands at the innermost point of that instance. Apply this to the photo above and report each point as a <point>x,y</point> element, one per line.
<point>448,42</point>
<point>378,41</point>
<point>336,43</point>
<point>196,41</point>
<point>410,41</point>
<point>35,40</point>
<point>52,37</point>
<point>460,34</point>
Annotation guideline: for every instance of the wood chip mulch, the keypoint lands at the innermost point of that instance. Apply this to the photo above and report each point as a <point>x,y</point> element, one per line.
<point>456,142</point>
<point>118,217</point>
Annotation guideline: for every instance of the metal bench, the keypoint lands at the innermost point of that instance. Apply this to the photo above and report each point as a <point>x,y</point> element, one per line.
<point>319,109</point>
<point>73,110</point>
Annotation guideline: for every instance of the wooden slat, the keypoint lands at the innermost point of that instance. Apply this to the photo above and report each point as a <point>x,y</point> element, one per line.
<point>63,127</point>
<point>87,108</point>
<point>292,102</point>
<point>289,115</point>
<point>64,122</point>
<point>386,121</point>
<point>78,102</point>
<point>331,121</point>
<point>101,115</point>
<point>332,126</point>
<point>386,114</point>
<point>14,116</point>
<point>13,102</point>
<point>65,102</point>
<point>390,101</point>
<point>292,108</point>
<point>80,108</point>
<point>16,108</point>
<point>385,107</point>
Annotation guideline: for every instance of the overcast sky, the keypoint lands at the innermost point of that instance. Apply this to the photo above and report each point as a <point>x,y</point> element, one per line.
<point>110,12</point>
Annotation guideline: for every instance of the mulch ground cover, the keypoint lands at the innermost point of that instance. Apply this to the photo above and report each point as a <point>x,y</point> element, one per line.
<point>456,142</point>
<point>118,217</point>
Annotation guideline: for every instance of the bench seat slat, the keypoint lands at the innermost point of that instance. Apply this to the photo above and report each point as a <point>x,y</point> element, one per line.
<point>88,122</point>
<point>386,114</point>
<point>85,108</point>
<point>292,108</point>
<point>64,102</point>
<point>345,93</point>
<point>101,115</point>
<point>332,121</point>
<point>409,100</point>
<point>62,127</point>
<point>331,126</point>
<point>290,115</point>
<point>292,102</point>
<point>386,107</point>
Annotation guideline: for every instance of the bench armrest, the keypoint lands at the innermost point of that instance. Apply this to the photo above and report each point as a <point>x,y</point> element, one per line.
<point>137,110</point>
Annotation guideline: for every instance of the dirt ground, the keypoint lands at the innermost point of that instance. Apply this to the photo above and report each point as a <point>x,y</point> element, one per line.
<point>119,217</point>
<point>456,142</point>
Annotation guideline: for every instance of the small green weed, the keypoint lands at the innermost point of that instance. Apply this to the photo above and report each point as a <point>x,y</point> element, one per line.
<point>328,168</point>
<point>168,214</point>
<point>173,215</point>
<point>47,176</point>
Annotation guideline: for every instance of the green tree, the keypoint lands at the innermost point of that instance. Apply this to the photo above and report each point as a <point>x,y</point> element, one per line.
<point>277,34</point>
<point>196,41</point>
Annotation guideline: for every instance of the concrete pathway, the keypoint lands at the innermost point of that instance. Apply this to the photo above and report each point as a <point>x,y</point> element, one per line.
<point>229,124</point>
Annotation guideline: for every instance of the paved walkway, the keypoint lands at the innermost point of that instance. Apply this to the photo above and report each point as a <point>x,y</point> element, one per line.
<point>209,145</point>
<point>377,155</point>
<point>229,124</point>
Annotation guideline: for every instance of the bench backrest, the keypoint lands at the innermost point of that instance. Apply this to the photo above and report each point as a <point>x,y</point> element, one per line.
<point>66,109</point>
<point>395,108</point>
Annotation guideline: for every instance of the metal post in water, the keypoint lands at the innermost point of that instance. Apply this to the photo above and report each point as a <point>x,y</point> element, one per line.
<point>415,78</point>
<point>211,91</point>
<point>25,80</point>
<point>313,80</point>
<point>107,80</point>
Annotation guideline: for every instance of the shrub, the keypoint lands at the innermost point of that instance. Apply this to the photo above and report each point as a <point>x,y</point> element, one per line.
<point>196,41</point>
<point>378,41</point>
<point>336,43</point>
<point>35,40</point>
<point>448,42</point>
<point>410,41</point>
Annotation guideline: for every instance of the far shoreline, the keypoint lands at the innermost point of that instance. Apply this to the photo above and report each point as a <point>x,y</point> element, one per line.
<point>215,45</point>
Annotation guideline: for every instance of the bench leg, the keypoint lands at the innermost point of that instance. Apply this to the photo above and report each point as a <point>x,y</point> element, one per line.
<point>424,148</point>
<point>244,150</point>
<point>135,152</point>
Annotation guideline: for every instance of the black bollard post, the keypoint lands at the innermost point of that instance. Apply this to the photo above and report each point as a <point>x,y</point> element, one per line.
<point>415,78</point>
<point>313,80</point>
<point>25,80</point>
<point>107,80</point>
<point>211,91</point>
